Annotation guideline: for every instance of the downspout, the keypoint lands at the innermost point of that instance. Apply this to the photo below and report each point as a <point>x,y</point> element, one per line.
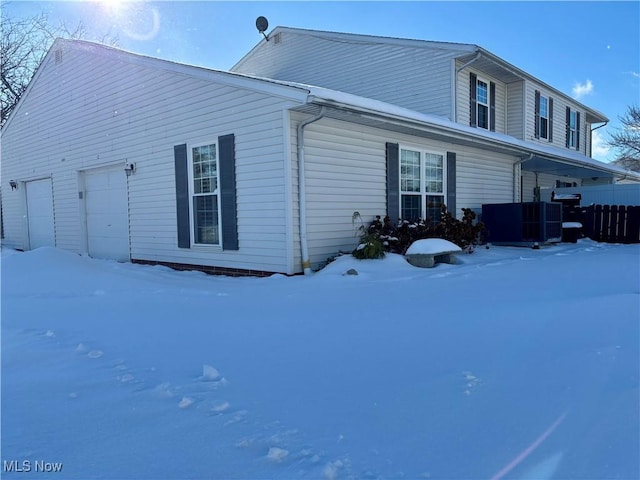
<point>591,139</point>
<point>302,193</point>
<point>515,188</point>
<point>455,85</point>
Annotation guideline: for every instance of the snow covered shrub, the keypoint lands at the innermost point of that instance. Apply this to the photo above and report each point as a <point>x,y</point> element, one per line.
<point>371,243</point>
<point>397,238</point>
<point>464,233</point>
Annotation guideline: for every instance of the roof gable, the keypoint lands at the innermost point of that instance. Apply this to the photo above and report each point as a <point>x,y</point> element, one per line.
<point>464,52</point>
<point>263,85</point>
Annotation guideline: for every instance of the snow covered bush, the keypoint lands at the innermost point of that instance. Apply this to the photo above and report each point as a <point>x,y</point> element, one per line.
<point>370,246</point>
<point>383,236</point>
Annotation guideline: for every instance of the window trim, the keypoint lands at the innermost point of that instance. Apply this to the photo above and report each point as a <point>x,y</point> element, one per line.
<point>423,193</point>
<point>192,194</point>
<point>543,117</point>
<point>572,140</point>
<point>487,105</point>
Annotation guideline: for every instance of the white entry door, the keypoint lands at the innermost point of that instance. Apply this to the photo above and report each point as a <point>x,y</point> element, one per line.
<point>107,216</point>
<point>40,213</point>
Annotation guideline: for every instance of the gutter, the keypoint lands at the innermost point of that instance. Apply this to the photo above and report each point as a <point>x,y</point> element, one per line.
<point>600,126</point>
<point>302,193</point>
<point>591,136</point>
<point>488,143</point>
<point>455,84</point>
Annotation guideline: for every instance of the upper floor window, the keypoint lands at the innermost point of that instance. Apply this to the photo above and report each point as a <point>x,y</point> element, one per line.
<point>573,129</point>
<point>421,184</point>
<point>482,102</point>
<point>544,117</point>
<point>482,95</point>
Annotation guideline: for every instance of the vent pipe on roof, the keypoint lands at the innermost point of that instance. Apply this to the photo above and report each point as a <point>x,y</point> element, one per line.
<point>302,193</point>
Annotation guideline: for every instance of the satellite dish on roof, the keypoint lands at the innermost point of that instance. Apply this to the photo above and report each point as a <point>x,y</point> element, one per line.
<point>262,24</point>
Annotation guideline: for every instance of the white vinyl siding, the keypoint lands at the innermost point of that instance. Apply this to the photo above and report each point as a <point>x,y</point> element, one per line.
<point>40,216</point>
<point>515,109</point>
<point>413,77</point>
<point>346,173</point>
<point>110,108</point>
<point>463,96</point>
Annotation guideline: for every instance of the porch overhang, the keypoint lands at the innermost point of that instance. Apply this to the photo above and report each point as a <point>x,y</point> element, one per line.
<point>532,156</point>
<point>564,168</point>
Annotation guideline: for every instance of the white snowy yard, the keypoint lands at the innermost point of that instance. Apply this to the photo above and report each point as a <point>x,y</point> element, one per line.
<point>513,363</point>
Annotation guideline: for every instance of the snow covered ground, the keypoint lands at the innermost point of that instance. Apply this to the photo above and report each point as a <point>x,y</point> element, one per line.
<point>513,363</point>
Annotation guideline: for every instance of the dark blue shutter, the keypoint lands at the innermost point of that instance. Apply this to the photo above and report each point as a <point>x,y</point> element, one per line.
<point>473,114</point>
<point>182,195</point>
<point>451,183</point>
<point>578,131</point>
<point>492,106</point>
<point>550,119</point>
<point>228,202</point>
<point>393,181</point>
<point>568,129</point>
<point>537,115</point>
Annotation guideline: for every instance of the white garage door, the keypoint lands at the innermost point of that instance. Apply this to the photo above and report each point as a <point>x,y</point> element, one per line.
<point>107,214</point>
<point>40,213</point>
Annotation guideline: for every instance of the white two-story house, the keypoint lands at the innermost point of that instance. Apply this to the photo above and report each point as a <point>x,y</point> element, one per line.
<point>461,82</point>
<point>262,169</point>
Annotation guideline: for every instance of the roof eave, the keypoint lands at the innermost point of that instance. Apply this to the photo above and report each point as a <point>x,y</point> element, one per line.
<point>592,115</point>
<point>514,148</point>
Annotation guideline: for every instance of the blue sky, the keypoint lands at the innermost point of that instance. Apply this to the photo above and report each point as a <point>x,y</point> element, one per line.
<point>589,50</point>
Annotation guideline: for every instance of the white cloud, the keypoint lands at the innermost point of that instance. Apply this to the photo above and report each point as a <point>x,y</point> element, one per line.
<point>599,149</point>
<point>582,89</point>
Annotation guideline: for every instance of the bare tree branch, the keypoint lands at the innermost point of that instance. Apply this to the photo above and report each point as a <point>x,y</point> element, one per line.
<point>627,139</point>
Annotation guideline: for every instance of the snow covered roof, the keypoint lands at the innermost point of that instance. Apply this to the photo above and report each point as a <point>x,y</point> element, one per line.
<point>542,154</point>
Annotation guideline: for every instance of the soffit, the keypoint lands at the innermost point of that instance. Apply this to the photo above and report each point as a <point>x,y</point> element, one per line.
<point>491,68</point>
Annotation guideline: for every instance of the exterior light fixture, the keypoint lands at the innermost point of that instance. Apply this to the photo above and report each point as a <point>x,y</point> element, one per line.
<point>13,184</point>
<point>129,168</point>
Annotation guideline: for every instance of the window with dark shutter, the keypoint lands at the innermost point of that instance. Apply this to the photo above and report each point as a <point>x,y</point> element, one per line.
<point>206,194</point>
<point>537,115</point>
<point>182,195</point>
<point>473,81</point>
<point>568,127</point>
<point>393,180</point>
<point>451,183</point>
<point>550,122</point>
<point>228,202</point>
<point>419,183</point>
<point>543,116</point>
<point>492,106</point>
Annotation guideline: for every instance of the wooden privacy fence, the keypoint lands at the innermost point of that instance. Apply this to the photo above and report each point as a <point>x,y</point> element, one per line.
<point>612,223</point>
